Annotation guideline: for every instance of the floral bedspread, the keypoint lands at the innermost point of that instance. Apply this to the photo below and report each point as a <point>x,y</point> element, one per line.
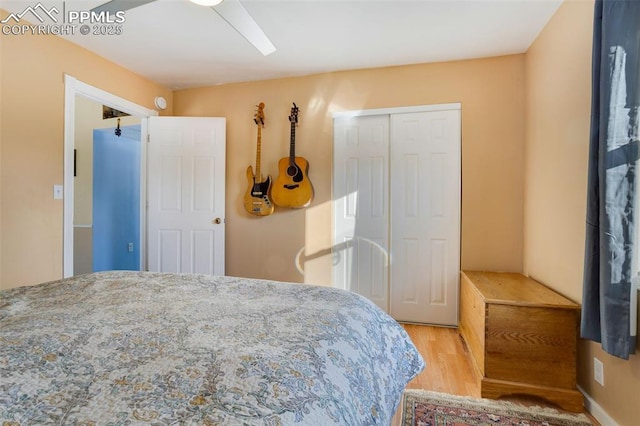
<point>124,348</point>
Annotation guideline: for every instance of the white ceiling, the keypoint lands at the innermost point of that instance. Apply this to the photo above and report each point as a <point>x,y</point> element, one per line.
<point>180,45</point>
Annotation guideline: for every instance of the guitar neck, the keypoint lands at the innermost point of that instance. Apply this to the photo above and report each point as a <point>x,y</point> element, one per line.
<point>292,145</point>
<point>258,154</point>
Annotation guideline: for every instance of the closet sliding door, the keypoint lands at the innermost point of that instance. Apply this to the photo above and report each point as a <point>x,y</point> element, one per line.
<point>361,207</point>
<point>425,216</point>
<point>397,211</point>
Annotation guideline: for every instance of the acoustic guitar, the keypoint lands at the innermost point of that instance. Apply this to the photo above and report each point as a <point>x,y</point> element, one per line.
<point>256,199</point>
<point>292,187</point>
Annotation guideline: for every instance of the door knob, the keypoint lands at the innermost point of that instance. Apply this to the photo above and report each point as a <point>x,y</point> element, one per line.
<point>217,221</point>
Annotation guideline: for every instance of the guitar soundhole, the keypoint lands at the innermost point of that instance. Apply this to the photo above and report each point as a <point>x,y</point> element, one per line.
<point>295,173</point>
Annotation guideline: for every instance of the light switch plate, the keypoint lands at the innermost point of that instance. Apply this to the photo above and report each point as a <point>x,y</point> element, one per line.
<point>58,192</point>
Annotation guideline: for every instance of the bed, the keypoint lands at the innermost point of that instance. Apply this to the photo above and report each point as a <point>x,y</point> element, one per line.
<point>121,348</point>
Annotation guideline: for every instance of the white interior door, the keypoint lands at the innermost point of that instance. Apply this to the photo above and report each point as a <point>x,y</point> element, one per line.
<point>425,216</point>
<point>396,195</point>
<point>186,200</point>
<point>361,209</point>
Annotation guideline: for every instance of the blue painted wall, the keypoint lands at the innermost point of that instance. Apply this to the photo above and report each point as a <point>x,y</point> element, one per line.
<point>116,200</point>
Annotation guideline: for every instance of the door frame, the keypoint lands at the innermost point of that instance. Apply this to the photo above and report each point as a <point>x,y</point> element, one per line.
<point>72,88</point>
<point>397,110</point>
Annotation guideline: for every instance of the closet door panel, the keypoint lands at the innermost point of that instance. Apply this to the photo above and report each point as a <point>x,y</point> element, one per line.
<point>361,206</point>
<point>425,216</point>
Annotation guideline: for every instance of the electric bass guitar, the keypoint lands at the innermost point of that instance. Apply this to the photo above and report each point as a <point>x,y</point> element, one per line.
<point>256,199</point>
<point>292,187</point>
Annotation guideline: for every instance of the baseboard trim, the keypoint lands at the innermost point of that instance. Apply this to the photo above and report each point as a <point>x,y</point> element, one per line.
<point>596,410</point>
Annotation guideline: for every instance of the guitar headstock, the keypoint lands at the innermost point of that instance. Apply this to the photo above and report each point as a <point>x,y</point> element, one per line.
<point>293,118</point>
<point>258,117</point>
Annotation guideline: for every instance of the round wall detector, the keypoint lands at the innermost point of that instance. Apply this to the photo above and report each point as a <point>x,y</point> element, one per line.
<point>161,103</point>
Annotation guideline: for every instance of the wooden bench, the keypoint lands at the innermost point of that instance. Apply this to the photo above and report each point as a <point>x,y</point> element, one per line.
<point>522,336</point>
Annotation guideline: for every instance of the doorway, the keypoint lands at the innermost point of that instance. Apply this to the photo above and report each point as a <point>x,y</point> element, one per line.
<point>181,220</point>
<point>116,199</point>
<point>79,95</point>
<point>107,201</point>
<point>106,190</point>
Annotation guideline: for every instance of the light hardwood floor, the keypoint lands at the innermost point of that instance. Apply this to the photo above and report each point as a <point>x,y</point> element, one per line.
<point>449,365</point>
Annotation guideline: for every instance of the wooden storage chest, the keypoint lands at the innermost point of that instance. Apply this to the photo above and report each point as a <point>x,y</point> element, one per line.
<point>522,336</point>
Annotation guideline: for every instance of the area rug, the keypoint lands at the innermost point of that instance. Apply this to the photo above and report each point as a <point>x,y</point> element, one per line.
<point>424,408</point>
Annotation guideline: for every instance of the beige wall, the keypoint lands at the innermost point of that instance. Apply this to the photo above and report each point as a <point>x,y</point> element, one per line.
<point>492,95</point>
<point>32,70</point>
<point>558,91</point>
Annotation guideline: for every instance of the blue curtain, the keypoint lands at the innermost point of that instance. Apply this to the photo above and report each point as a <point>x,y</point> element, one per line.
<point>613,154</point>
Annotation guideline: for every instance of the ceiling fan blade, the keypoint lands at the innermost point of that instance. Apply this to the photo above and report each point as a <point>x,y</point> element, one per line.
<point>237,16</point>
<point>115,5</point>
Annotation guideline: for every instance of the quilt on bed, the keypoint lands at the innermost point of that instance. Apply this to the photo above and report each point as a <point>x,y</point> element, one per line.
<point>123,348</point>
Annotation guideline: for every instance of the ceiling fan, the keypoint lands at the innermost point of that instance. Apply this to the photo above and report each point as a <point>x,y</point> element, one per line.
<point>231,11</point>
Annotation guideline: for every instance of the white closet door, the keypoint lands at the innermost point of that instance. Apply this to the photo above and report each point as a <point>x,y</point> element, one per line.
<point>425,216</point>
<point>186,181</point>
<point>396,195</point>
<point>361,206</point>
